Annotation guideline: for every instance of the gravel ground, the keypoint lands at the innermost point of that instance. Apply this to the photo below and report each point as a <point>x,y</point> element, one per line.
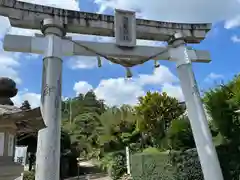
<point>92,177</point>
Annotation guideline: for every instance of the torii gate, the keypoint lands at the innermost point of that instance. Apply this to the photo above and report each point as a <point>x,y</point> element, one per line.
<point>55,23</point>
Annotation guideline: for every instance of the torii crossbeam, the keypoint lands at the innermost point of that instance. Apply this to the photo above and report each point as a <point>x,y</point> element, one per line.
<point>55,23</point>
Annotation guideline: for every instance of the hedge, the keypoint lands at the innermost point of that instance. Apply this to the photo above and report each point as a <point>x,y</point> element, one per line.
<point>188,166</point>
<point>182,165</point>
<point>151,166</point>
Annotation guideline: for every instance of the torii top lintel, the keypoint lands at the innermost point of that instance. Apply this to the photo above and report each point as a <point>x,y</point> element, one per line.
<point>27,15</point>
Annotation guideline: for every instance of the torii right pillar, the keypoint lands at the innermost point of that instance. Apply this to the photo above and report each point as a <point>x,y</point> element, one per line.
<point>203,139</point>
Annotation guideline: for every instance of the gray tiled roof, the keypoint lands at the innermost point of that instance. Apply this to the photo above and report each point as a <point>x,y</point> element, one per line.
<point>7,109</point>
<point>26,121</point>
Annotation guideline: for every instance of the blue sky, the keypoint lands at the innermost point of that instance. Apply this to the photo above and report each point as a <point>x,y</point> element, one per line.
<point>81,74</point>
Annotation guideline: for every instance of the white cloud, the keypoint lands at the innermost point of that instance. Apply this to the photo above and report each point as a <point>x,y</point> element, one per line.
<point>119,91</point>
<point>9,65</point>
<point>213,76</point>
<point>173,90</point>
<point>82,62</point>
<point>232,23</point>
<point>178,11</point>
<point>69,4</point>
<point>235,39</point>
<point>160,75</point>
<point>82,87</point>
<point>126,91</point>
<point>33,98</point>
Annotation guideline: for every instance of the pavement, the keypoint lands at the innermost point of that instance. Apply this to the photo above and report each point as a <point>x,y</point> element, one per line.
<point>95,176</point>
<point>98,176</point>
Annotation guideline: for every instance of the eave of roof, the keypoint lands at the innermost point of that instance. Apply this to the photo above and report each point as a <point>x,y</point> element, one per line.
<point>26,121</point>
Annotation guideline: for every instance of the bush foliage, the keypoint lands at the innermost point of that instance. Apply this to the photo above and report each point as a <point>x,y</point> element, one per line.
<point>151,166</point>
<point>115,164</point>
<point>118,167</point>
<point>184,165</point>
<point>29,175</point>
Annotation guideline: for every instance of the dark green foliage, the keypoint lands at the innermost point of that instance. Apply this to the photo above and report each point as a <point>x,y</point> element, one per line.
<point>184,165</point>
<point>65,141</point>
<point>180,135</point>
<point>117,129</point>
<point>81,120</point>
<point>218,107</point>
<point>118,165</point>
<point>115,164</point>
<point>188,166</point>
<point>29,175</point>
<point>229,157</point>
<point>221,103</point>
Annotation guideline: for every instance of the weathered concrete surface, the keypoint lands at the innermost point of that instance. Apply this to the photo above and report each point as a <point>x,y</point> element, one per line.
<point>26,15</point>
<point>8,169</point>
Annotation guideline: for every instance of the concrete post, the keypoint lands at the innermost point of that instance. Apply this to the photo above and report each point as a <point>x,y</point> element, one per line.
<point>48,148</point>
<point>202,135</point>
<point>128,160</point>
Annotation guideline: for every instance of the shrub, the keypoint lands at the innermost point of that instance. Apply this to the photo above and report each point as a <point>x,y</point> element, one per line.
<point>180,135</point>
<point>182,165</point>
<point>29,175</point>
<point>115,164</point>
<point>229,156</point>
<point>151,165</point>
<point>188,166</point>
<point>118,165</point>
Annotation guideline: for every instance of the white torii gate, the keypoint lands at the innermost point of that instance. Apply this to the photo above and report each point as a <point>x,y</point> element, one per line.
<point>55,23</point>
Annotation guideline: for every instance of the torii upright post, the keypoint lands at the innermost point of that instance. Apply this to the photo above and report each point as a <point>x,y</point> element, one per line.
<point>48,146</point>
<point>53,45</point>
<point>202,135</point>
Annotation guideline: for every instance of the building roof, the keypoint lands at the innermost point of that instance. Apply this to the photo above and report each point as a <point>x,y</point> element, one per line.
<point>25,120</point>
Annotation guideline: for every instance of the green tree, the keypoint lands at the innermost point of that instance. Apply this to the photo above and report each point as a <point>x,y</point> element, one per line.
<point>157,111</point>
<point>25,105</point>
<point>81,120</point>
<point>117,128</point>
<point>221,103</point>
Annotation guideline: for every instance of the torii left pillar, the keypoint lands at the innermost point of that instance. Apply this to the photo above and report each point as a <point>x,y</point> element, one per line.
<point>48,146</point>
<point>54,47</point>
